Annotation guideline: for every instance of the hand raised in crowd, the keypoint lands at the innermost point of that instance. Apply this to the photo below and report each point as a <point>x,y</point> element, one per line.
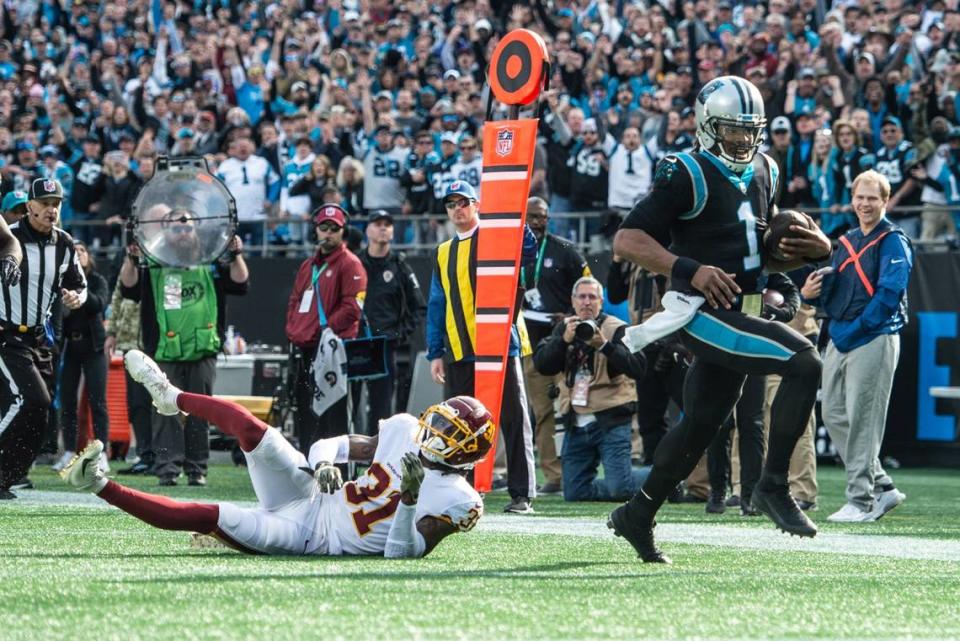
<point>718,287</point>
<point>905,38</point>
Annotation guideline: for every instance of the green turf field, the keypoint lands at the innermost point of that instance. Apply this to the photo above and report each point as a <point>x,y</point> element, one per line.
<point>70,569</point>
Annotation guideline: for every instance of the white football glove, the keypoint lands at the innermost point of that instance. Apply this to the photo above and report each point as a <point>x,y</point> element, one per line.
<point>327,476</point>
<point>412,470</point>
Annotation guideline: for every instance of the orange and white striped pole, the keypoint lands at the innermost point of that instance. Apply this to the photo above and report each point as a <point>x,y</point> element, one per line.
<point>519,70</point>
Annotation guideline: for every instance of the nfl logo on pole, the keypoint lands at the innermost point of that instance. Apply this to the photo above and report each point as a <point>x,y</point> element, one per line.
<point>504,142</point>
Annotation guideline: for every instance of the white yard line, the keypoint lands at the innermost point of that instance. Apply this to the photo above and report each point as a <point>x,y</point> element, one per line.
<point>763,537</point>
<point>751,538</point>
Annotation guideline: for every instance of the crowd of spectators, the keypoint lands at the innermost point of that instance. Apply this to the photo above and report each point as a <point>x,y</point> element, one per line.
<point>379,105</point>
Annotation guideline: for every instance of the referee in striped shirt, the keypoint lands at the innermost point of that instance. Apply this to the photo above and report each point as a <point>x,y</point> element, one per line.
<point>49,270</point>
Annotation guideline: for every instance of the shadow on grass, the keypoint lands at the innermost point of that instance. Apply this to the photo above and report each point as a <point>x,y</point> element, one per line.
<point>101,556</point>
<point>552,570</point>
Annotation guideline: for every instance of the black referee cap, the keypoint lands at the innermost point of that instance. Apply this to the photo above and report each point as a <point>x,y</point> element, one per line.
<point>45,188</point>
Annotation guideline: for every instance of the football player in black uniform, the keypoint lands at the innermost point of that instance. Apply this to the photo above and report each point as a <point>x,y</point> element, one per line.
<point>713,204</point>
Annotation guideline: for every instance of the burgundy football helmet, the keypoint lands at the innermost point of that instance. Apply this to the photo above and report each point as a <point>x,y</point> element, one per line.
<point>457,433</point>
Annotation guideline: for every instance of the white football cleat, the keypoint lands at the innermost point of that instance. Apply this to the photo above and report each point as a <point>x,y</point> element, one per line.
<point>83,472</point>
<point>145,371</point>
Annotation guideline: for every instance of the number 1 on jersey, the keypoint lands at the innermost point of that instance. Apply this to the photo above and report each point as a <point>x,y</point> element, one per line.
<point>745,213</point>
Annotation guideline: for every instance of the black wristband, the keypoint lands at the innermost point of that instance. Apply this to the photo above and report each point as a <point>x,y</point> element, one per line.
<point>684,269</point>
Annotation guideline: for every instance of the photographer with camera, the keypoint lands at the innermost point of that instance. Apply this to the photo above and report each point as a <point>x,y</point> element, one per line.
<point>598,397</point>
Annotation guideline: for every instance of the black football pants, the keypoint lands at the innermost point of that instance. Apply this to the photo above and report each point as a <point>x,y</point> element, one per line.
<point>728,346</point>
<point>747,419</point>
<point>26,381</point>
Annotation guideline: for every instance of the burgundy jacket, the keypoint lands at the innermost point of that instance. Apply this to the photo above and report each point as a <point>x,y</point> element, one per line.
<point>342,286</point>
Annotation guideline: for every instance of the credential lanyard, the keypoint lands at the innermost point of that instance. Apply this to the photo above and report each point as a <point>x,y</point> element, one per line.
<point>316,276</point>
<point>322,316</point>
<point>536,271</point>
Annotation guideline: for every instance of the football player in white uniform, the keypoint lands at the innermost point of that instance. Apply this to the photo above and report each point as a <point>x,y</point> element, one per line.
<point>413,494</point>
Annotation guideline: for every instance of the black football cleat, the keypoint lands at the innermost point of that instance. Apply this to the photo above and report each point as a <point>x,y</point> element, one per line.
<point>640,536</point>
<point>716,504</point>
<point>782,510</point>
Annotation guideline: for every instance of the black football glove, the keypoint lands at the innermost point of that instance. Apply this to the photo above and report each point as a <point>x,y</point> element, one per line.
<point>9,271</point>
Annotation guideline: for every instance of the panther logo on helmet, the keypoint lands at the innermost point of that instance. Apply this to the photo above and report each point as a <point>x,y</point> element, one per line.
<point>730,121</point>
<point>457,433</point>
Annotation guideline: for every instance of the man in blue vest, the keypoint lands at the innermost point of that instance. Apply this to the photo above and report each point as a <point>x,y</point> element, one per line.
<point>864,294</point>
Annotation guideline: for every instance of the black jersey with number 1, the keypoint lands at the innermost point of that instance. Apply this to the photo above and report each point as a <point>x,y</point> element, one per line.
<point>711,214</point>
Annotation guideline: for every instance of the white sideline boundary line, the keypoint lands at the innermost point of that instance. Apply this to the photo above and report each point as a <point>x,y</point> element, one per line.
<point>763,538</point>
<point>749,538</point>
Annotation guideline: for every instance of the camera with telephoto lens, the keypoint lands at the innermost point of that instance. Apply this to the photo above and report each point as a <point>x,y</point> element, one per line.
<point>585,330</point>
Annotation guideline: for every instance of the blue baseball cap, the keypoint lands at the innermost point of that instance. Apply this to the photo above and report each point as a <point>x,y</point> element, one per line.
<point>892,120</point>
<point>13,199</point>
<point>460,188</point>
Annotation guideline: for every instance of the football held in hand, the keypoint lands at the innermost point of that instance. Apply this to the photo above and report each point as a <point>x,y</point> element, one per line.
<point>780,228</point>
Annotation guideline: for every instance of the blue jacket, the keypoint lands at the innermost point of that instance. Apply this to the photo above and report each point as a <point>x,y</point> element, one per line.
<point>437,305</point>
<point>857,316</point>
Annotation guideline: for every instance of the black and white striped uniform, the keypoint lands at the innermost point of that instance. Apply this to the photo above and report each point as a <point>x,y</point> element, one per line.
<point>26,373</point>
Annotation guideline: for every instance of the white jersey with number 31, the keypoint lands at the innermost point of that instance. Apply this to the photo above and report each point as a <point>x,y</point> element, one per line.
<point>361,513</point>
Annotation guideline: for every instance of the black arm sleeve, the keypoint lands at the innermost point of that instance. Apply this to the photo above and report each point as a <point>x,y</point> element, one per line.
<point>621,360</point>
<point>415,307</point>
<point>97,294</point>
<point>227,283</point>
<point>139,110</point>
<point>671,197</point>
<point>618,282</point>
<point>545,18</point>
<point>300,188</point>
<point>551,353</point>
<point>134,293</point>
<point>73,278</point>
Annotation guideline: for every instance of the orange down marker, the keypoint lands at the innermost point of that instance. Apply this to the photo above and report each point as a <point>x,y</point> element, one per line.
<point>518,71</point>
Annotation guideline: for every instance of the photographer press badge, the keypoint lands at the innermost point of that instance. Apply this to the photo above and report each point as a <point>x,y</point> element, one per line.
<point>533,298</point>
<point>581,387</point>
